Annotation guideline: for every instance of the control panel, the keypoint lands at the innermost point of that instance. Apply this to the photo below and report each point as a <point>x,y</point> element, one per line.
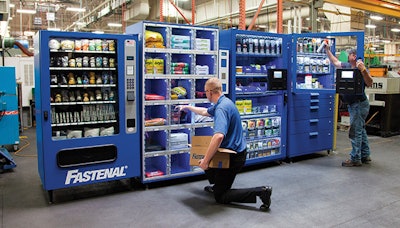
<point>130,87</point>
<point>349,81</point>
<point>223,71</point>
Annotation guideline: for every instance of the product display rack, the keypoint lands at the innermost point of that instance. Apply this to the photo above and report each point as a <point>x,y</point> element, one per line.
<point>263,110</point>
<point>87,117</point>
<point>176,63</point>
<point>312,97</point>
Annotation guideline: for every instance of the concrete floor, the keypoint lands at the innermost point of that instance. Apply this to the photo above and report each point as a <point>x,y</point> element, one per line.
<point>312,191</point>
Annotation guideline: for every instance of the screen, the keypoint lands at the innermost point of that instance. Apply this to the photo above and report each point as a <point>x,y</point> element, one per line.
<point>347,74</point>
<point>277,74</point>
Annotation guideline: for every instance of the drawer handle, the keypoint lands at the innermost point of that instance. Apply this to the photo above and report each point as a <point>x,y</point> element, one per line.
<point>313,133</point>
<point>314,120</point>
<point>314,107</point>
<point>314,101</point>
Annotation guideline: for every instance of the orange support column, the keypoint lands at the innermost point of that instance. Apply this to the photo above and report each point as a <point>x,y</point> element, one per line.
<point>161,10</point>
<point>242,14</point>
<point>279,19</point>
<point>256,15</point>
<point>193,11</point>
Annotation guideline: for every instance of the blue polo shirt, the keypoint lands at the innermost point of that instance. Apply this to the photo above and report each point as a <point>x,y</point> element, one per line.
<point>227,121</point>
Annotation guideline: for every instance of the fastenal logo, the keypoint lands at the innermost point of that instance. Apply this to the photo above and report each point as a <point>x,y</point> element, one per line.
<point>74,176</point>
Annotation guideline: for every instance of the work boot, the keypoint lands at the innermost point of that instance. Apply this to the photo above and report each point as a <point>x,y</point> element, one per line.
<point>350,163</point>
<point>366,160</point>
<point>265,196</point>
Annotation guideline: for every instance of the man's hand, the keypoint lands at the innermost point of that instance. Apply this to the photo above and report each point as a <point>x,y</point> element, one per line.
<point>360,65</point>
<point>203,165</point>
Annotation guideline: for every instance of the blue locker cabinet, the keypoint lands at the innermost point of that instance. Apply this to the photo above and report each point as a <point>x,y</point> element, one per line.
<point>263,110</point>
<point>86,108</point>
<point>312,97</point>
<point>9,123</point>
<point>176,61</point>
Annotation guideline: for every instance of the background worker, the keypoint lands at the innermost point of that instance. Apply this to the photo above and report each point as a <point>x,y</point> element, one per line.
<point>358,107</point>
<point>228,133</point>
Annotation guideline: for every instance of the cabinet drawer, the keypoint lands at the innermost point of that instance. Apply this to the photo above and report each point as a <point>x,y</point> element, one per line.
<point>312,142</point>
<point>311,112</point>
<point>311,125</point>
<point>310,96</point>
<point>313,102</point>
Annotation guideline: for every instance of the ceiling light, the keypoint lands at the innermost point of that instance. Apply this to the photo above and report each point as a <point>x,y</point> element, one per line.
<point>385,41</point>
<point>26,11</point>
<point>54,29</point>
<point>74,9</point>
<point>374,17</point>
<point>395,30</point>
<point>98,32</point>
<point>11,5</point>
<point>388,6</point>
<point>370,26</point>
<point>79,23</point>
<point>114,24</point>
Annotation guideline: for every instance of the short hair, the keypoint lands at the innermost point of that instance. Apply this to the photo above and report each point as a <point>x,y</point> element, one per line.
<point>352,51</point>
<point>214,84</point>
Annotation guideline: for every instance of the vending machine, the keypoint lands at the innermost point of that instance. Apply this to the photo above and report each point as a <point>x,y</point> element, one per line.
<point>88,123</point>
<point>312,90</point>
<point>258,70</point>
<point>176,61</point>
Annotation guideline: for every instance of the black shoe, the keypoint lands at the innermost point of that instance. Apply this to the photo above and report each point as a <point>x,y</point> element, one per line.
<point>265,196</point>
<point>366,160</point>
<point>209,189</point>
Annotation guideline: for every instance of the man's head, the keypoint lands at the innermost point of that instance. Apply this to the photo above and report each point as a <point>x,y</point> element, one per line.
<point>352,55</point>
<point>213,89</point>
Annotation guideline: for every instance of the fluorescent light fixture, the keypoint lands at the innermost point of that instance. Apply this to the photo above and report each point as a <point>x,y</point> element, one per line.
<point>26,11</point>
<point>79,23</point>
<point>370,26</point>
<point>388,6</point>
<point>395,30</point>
<point>74,9</point>
<point>386,41</point>
<point>375,17</point>
<point>54,29</point>
<point>29,33</point>
<point>114,24</point>
<point>98,32</point>
<point>11,5</point>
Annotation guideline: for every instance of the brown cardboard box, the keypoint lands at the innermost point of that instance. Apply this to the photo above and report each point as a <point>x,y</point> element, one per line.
<point>199,148</point>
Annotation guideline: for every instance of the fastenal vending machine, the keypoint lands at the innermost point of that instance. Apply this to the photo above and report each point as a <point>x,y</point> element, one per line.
<point>311,107</point>
<point>86,108</point>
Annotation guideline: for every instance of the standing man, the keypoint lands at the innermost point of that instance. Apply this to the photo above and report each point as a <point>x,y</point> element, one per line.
<point>358,107</point>
<point>228,133</point>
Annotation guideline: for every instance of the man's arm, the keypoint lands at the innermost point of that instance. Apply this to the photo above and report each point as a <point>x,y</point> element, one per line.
<point>335,61</point>
<point>198,110</point>
<point>366,75</point>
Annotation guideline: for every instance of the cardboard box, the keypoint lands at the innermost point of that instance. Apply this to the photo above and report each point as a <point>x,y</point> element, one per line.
<point>199,149</point>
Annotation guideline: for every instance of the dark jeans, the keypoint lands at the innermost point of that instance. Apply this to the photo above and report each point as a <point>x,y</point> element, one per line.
<point>222,179</point>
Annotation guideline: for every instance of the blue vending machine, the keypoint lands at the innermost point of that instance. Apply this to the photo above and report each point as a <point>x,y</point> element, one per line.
<point>312,90</point>
<point>176,61</point>
<point>88,123</point>
<point>258,69</point>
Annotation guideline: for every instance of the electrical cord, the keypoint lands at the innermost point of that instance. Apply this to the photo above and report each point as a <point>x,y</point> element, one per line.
<point>27,143</point>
